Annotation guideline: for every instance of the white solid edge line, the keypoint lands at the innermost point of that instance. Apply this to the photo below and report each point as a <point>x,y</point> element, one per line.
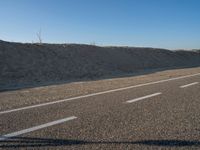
<point>187,85</point>
<point>144,97</point>
<point>14,134</point>
<point>98,93</point>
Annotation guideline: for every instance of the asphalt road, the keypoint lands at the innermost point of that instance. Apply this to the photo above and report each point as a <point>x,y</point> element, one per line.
<point>163,114</point>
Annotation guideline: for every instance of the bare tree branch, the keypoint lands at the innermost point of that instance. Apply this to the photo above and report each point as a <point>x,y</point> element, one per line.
<point>39,35</point>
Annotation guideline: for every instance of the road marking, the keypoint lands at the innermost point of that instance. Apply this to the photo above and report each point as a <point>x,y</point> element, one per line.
<point>144,97</point>
<point>14,134</point>
<point>98,93</point>
<point>187,85</point>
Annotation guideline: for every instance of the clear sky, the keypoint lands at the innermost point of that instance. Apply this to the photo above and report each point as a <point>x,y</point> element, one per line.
<point>173,24</point>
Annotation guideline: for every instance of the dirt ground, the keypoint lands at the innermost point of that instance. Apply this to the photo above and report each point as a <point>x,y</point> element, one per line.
<point>34,65</point>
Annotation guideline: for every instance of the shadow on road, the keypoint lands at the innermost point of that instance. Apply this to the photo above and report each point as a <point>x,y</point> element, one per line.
<point>33,84</point>
<point>20,142</point>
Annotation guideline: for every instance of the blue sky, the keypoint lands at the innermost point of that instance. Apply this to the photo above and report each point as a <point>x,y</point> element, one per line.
<point>173,24</point>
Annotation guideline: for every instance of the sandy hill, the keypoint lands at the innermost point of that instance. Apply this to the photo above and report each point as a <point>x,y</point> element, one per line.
<point>33,64</point>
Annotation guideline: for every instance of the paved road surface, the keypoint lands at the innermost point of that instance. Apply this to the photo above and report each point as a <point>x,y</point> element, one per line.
<point>162,114</point>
